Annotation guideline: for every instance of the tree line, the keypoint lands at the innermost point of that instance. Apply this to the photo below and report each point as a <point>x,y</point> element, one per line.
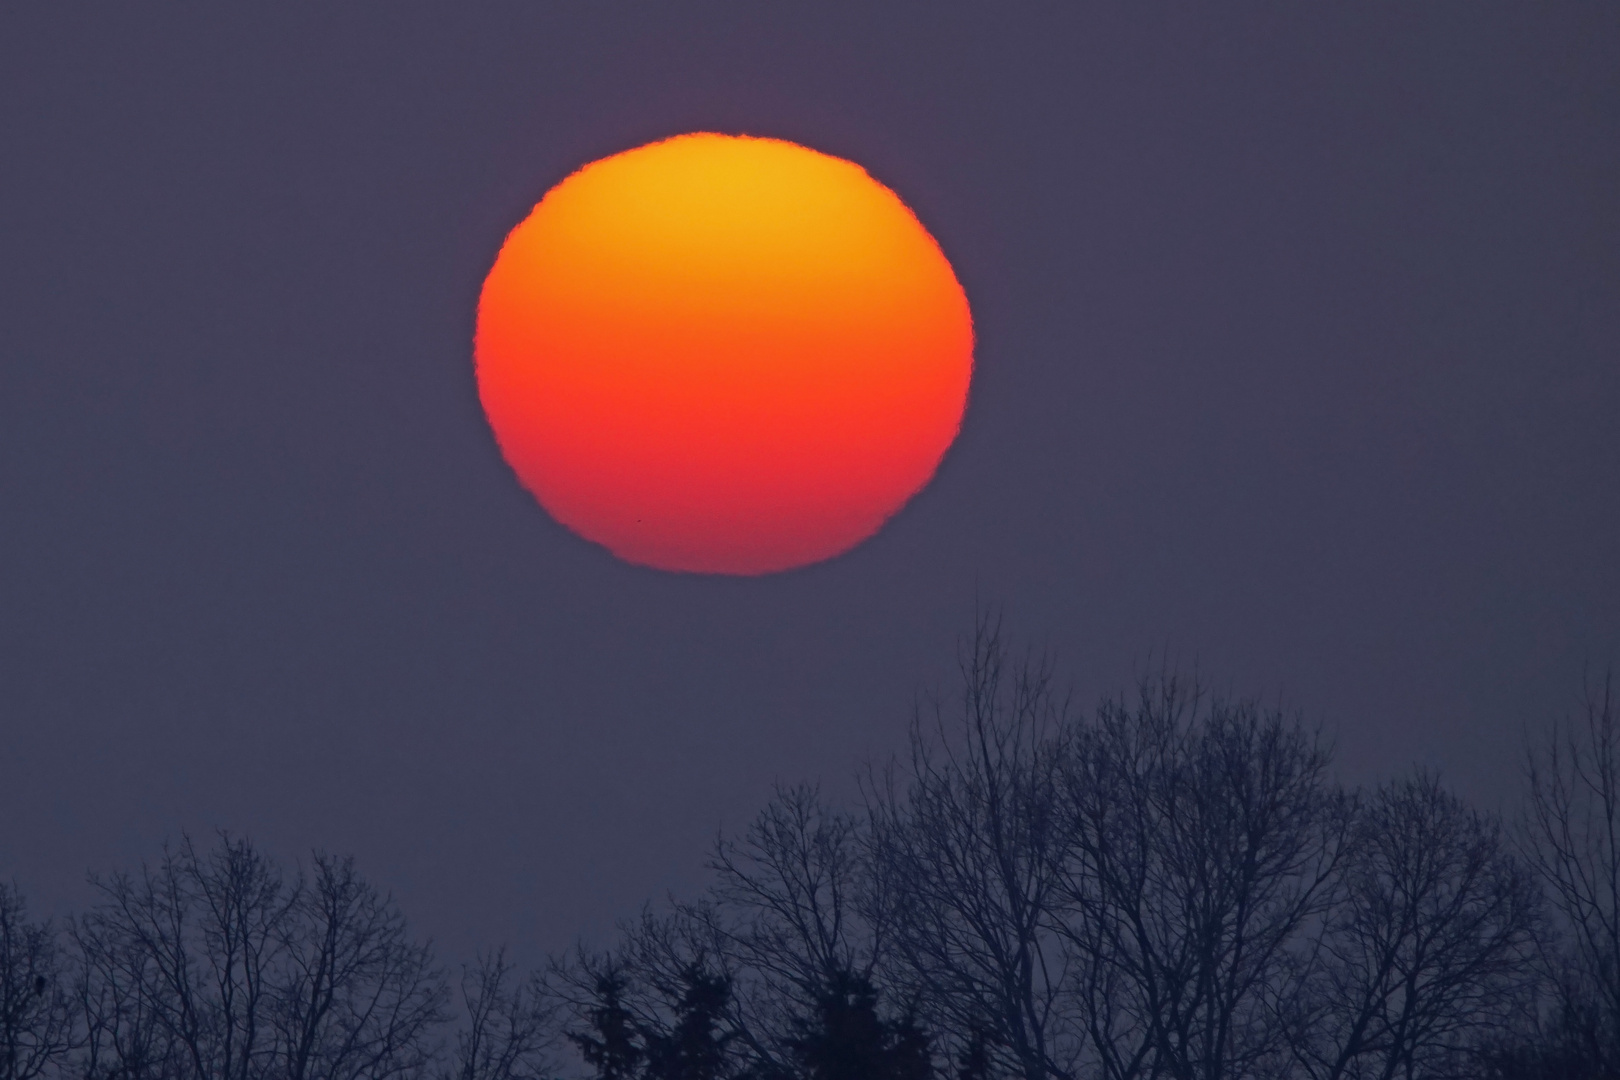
<point>1171,885</point>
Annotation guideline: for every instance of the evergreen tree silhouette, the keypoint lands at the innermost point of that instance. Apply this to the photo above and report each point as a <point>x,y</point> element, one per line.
<point>846,1039</point>
<point>694,1048</point>
<point>973,1061</point>
<point>907,1056</point>
<point>610,1048</point>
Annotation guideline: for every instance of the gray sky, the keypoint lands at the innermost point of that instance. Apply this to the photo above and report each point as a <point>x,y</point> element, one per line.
<point>1298,334</point>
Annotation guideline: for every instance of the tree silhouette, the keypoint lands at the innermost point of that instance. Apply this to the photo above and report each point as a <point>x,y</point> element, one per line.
<point>506,1031</point>
<point>217,965</point>
<point>694,1048</point>
<point>1170,887</point>
<point>969,849</point>
<point>846,1039</point>
<point>1426,950</point>
<point>973,1060</point>
<point>35,1011</point>
<point>610,1046</point>
<point>1573,837</point>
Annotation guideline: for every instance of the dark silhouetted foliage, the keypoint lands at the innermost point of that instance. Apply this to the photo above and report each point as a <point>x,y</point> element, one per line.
<point>610,1046</point>
<point>695,1048</point>
<point>973,1059</point>
<point>844,1038</point>
<point>1171,886</point>
<point>36,1014</point>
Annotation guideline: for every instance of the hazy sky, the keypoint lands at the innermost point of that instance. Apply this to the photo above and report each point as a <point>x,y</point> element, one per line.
<point>1299,356</point>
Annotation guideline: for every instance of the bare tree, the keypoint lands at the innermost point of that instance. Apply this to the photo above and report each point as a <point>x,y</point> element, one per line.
<point>120,997</point>
<point>1430,948</point>
<point>36,1028</point>
<point>798,889</point>
<point>507,1029</point>
<point>1572,831</point>
<point>1207,842</point>
<point>194,942</point>
<point>794,908</point>
<point>215,966</point>
<point>354,996</point>
<point>971,847</point>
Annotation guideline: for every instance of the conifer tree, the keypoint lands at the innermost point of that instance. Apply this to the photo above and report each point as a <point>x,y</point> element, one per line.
<point>907,1056</point>
<point>610,1047</point>
<point>973,1061</point>
<point>846,1039</point>
<point>694,1048</point>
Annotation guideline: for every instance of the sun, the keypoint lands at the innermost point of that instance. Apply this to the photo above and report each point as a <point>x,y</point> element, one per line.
<point>723,354</point>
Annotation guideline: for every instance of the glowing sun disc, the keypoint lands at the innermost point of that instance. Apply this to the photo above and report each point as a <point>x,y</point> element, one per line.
<point>723,354</point>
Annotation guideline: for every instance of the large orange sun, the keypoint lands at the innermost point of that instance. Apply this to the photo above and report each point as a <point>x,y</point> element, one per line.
<point>723,354</point>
